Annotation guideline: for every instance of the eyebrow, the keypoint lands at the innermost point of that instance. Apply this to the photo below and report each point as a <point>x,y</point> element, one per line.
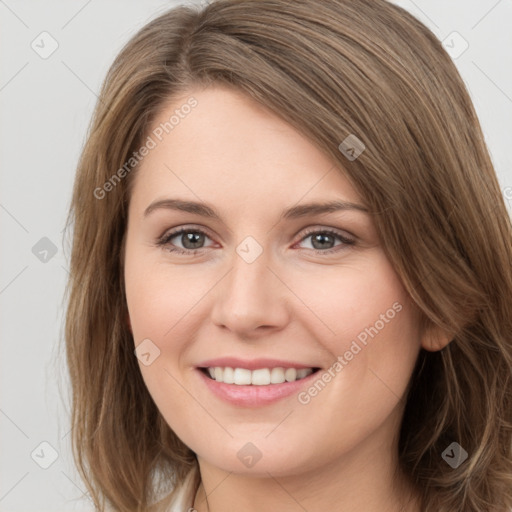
<point>294,212</point>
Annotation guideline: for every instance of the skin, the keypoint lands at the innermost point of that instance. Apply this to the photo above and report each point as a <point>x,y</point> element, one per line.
<point>338,452</point>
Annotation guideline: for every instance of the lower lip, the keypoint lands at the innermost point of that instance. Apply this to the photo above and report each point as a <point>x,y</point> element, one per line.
<point>254,396</point>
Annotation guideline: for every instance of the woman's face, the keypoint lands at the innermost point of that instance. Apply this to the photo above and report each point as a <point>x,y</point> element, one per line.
<point>262,281</point>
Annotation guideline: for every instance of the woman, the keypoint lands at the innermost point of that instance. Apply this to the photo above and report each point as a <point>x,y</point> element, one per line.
<point>290,275</point>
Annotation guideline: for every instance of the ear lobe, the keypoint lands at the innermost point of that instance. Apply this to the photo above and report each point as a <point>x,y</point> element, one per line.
<point>435,339</point>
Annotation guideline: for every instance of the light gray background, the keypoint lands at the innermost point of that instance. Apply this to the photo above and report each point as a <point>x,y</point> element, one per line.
<point>46,106</point>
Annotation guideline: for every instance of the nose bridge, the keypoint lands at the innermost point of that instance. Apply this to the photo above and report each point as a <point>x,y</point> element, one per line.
<point>249,281</point>
<point>250,295</point>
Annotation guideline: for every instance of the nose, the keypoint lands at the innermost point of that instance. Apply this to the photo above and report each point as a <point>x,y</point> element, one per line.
<point>251,300</point>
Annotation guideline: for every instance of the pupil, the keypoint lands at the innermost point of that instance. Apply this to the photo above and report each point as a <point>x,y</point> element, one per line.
<point>320,238</point>
<point>193,238</point>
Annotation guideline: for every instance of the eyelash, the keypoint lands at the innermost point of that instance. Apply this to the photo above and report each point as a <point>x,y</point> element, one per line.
<point>165,240</point>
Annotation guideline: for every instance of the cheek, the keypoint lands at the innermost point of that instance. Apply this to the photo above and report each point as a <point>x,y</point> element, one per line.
<point>366,302</point>
<point>160,297</point>
<point>160,303</point>
<point>365,320</point>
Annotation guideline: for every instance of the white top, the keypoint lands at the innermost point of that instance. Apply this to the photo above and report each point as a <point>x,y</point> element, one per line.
<point>183,500</point>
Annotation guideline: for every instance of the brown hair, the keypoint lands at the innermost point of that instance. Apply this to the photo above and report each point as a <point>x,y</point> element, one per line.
<point>330,68</point>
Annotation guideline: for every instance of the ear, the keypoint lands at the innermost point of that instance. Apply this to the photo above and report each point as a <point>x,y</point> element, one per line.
<point>435,338</point>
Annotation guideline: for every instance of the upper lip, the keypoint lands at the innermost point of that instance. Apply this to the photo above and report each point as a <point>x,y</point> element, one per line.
<point>252,364</point>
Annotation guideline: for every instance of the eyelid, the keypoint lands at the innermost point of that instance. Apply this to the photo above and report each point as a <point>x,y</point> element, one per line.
<point>171,233</point>
<point>322,229</point>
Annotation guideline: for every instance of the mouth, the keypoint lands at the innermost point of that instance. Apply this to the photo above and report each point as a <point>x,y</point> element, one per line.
<point>256,377</point>
<point>254,384</point>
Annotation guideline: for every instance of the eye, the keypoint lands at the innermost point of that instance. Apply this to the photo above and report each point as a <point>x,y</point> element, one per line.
<point>322,240</point>
<point>191,239</point>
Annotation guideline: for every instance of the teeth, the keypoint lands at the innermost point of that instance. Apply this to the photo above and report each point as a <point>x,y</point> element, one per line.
<point>229,376</point>
<point>241,376</point>
<point>277,376</point>
<point>259,377</point>
<point>303,372</point>
<point>290,374</point>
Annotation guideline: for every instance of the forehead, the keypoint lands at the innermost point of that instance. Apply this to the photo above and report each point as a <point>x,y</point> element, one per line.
<point>231,150</point>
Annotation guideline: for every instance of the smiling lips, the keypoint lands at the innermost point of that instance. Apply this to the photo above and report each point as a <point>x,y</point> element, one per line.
<point>254,383</point>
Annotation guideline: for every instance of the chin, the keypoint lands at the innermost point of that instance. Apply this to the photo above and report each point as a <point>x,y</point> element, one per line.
<point>259,458</point>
